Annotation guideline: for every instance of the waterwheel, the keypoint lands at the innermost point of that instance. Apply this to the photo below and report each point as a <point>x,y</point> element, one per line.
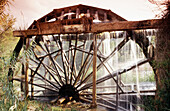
<point>67,63</point>
<point>61,67</point>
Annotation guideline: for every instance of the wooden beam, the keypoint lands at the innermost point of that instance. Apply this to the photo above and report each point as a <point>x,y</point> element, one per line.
<point>63,59</point>
<point>56,27</point>
<point>126,25</point>
<point>122,93</point>
<point>51,84</point>
<point>52,75</point>
<point>49,28</point>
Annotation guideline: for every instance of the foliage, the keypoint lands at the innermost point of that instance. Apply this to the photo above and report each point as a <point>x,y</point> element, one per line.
<point>163,87</point>
<point>4,4</point>
<point>149,104</point>
<point>9,97</point>
<point>6,21</point>
<point>162,100</point>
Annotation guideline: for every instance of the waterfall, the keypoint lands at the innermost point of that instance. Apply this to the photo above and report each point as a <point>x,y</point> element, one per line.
<point>106,51</point>
<point>133,49</point>
<point>135,80</point>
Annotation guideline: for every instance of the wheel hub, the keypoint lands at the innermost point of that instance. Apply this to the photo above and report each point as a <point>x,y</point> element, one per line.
<point>68,92</point>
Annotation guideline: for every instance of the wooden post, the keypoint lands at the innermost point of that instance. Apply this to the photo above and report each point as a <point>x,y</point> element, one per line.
<point>32,86</point>
<point>93,105</point>
<point>22,79</point>
<point>26,71</point>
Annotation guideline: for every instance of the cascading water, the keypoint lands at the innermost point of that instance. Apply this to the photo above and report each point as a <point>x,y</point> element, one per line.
<point>132,80</point>
<point>106,51</point>
<point>133,49</point>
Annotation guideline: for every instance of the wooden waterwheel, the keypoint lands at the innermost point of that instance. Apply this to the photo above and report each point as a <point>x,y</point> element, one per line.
<point>65,57</point>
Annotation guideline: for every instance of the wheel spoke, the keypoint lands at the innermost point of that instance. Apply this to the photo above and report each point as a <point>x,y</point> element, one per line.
<point>84,64</point>
<point>120,71</point>
<point>73,63</point>
<point>106,59</point>
<point>44,78</point>
<point>52,60</point>
<point>63,60</point>
<point>48,71</point>
<point>41,86</point>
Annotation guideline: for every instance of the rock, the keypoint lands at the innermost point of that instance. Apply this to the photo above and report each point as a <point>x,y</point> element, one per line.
<point>61,100</point>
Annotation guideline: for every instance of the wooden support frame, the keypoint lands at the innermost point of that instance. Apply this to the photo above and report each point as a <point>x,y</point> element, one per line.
<point>120,93</point>
<point>49,28</point>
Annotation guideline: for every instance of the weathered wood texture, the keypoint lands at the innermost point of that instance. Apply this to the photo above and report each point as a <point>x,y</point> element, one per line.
<point>79,9</point>
<point>125,25</point>
<point>48,28</point>
<point>26,70</point>
<point>94,104</point>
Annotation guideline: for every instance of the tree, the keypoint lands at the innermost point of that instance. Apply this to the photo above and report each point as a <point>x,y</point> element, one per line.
<point>162,59</point>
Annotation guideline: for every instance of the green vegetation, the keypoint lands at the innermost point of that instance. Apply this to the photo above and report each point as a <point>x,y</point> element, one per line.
<point>130,77</point>
<point>162,94</point>
<point>9,99</point>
